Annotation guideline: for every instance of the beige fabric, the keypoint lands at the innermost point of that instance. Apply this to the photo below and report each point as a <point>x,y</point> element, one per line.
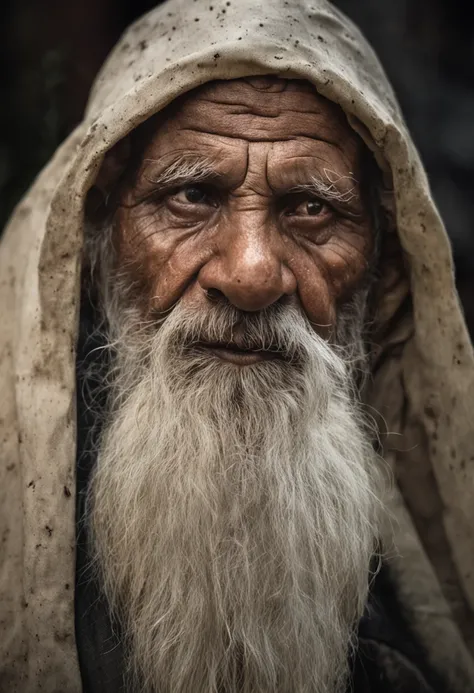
<point>423,379</point>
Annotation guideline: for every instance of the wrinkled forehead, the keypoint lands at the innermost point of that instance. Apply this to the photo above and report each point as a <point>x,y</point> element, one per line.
<point>263,108</point>
<point>264,94</point>
<point>255,109</point>
<point>217,117</point>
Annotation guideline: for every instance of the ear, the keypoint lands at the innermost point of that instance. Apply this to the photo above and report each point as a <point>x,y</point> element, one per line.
<point>111,171</point>
<point>113,166</point>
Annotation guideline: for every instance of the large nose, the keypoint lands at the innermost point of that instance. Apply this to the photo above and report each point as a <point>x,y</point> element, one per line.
<point>249,269</point>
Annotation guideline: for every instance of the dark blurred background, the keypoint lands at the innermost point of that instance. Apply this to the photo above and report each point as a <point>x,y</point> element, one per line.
<point>50,51</point>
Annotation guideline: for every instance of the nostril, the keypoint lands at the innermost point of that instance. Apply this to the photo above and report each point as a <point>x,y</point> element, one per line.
<point>215,294</point>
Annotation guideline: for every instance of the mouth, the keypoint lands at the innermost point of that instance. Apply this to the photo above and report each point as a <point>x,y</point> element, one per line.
<point>237,355</point>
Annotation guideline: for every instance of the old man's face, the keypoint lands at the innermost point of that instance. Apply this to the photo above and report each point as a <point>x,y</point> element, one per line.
<point>248,192</point>
<point>233,509</point>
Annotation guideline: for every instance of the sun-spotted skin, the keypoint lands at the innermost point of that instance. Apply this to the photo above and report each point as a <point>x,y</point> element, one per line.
<point>247,234</point>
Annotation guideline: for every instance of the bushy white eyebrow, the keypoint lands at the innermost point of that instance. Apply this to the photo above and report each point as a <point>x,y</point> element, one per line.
<point>184,170</point>
<point>188,170</point>
<point>329,187</point>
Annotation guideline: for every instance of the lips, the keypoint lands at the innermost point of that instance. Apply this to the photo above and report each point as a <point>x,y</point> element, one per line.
<point>234,353</point>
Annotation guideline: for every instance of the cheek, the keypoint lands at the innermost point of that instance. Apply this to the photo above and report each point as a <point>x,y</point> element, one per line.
<point>162,264</point>
<point>327,276</point>
<point>315,294</point>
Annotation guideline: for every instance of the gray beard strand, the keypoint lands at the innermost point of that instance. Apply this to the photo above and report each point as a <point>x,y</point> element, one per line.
<point>233,512</point>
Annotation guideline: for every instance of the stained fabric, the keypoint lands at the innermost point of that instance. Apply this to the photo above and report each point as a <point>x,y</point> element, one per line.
<point>422,384</point>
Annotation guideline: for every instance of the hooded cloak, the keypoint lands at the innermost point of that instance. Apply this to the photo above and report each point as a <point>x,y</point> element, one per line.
<point>422,379</point>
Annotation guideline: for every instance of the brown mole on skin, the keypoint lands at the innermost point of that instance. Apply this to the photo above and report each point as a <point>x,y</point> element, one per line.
<point>246,235</point>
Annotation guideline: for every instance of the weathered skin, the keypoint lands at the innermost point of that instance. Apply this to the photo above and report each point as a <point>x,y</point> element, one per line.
<point>245,234</point>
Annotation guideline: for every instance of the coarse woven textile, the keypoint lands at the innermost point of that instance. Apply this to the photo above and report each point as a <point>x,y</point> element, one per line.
<point>422,384</point>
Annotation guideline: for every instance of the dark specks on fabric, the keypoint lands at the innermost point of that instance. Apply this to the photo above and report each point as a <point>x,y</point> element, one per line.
<point>92,633</point>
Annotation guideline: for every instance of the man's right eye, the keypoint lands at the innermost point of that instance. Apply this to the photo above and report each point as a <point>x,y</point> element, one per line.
<point>194,195</point>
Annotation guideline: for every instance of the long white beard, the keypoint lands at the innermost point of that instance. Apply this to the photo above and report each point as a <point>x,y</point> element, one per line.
<point>234,510</point>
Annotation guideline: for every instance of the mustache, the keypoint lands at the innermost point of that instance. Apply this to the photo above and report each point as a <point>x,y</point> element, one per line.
<point>280,329</point>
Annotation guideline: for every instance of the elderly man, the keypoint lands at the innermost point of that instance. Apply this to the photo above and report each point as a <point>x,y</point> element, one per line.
<point>264,323</point>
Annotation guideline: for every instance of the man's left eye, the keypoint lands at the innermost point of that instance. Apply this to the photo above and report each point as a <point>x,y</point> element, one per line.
<point>303,206</point>
<point>310,208</point>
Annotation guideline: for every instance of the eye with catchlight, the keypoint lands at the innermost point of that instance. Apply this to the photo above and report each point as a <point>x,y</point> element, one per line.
<point>195,195</point>
<point>309,207</point>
